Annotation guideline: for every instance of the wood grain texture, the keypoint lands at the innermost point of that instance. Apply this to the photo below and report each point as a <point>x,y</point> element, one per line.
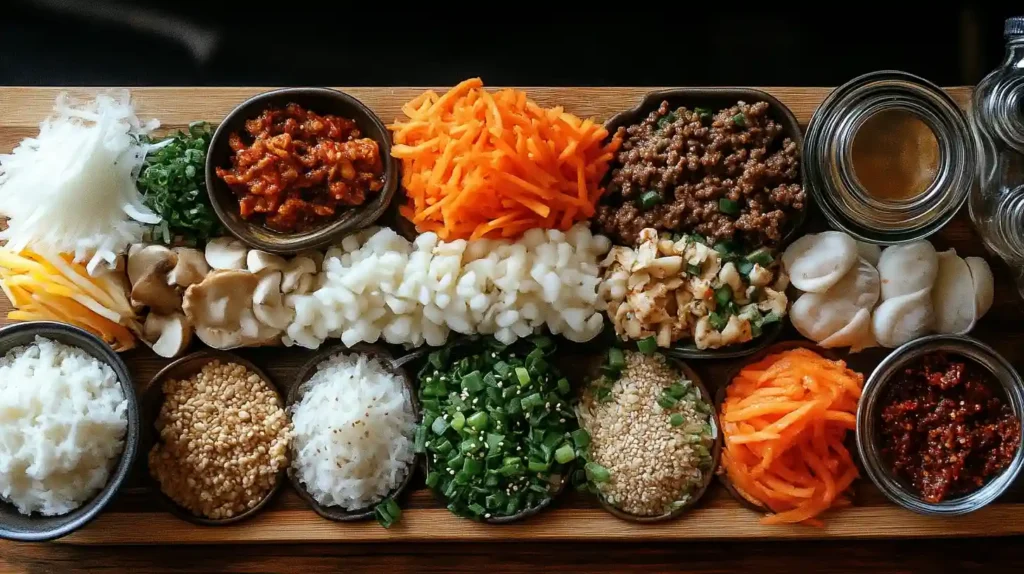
<point>136,518</point>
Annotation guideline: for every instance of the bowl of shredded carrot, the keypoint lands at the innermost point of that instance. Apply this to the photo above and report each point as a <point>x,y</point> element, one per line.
<point>786,418</point>
<point>477,164</point>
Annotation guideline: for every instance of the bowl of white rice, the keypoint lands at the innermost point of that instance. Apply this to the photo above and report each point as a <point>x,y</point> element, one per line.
<point>69,429</point>
<point>354,416</point>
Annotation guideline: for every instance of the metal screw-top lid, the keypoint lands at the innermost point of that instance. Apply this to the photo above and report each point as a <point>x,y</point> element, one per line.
<point>1013,27</point>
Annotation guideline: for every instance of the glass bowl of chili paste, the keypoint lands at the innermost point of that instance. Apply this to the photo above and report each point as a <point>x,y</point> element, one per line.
<point>300,168</point>
<point>939,425</point>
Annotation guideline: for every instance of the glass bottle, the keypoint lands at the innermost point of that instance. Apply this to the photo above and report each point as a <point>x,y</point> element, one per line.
<point>997,120</point>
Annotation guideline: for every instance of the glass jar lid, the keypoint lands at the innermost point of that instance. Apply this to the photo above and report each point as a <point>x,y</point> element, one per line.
<point>920,122</point>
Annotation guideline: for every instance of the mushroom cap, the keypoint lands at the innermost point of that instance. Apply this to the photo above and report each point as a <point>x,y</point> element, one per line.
<point>258,261</point>
<point>168,335</point>
<point>294,272</point>
<point>224,253</point>
<point>191,267</point>
<point>268,304</point>
<point>221,310</point>
<point>143,259</point>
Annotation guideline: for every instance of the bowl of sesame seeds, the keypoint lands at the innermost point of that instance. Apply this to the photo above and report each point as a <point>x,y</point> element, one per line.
<point>654,436</point>
<point>218,446</point>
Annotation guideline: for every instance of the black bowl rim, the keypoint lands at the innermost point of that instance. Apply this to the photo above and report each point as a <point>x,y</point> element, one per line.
<point>304,373</point>
<point>716,455</point>
<point>322,236</point>
<point>154,391</point>
<point>132,434</point>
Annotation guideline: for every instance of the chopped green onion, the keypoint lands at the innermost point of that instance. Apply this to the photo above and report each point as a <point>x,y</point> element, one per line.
<point>537,466</point>
<point>676,419</point>
<point>702,113</point>
<point>420,444</point>
<point>650,198</point>
<point>543,342</point>
<point>523,375</point>
<point>473,382</point>
<point>596,472</point>
<point>531,402</point>
<point>740,120</point>
<point>648,345</point>
<point>581,438</point>
<point>723,295</point>
<point>616,359</point>
<point>728,206</point>
<point>388,512</point>
<point>693,269</point>
<point>770,317</point>
<point>564,453</point>
<point>472,466</point>
<point>677,390</point>
<point>563,386</point>
<point>667,401</point>
<point>604,394</point>
<point>478,420</point>
<point>439,426</point>
<point>762,257</point>
<point>745,267</point>
<point>458,420</point>
<point>718,320</point>
<point>432,478</point>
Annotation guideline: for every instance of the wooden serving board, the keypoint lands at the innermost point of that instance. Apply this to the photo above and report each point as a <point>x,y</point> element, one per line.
<point>136,517</point>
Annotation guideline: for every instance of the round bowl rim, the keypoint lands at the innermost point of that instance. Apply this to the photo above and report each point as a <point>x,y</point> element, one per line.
<point>875,468</point>
<point>327,234</point>
<point>154,390</point>
<point>132,433</point>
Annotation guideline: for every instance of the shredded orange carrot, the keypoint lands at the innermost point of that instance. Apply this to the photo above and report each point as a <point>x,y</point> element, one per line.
<point>784,420</point>
<point>476,164</point>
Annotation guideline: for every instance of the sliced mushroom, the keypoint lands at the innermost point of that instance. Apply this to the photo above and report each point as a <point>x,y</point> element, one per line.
<point>224,253</point>
<point>218,301</point>
<point>191,268</point>
<point>148,267</point>
<point>143,259</point>
<point>168,335</point>
<point>268,305</point>
<point>257,261</point>
<point>316,256</point>
<point>220,309</point>
<point>295,270</point>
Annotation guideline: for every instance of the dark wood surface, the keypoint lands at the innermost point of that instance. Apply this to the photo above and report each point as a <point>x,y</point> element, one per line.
<point>134,518</point>
<point>958,556</point>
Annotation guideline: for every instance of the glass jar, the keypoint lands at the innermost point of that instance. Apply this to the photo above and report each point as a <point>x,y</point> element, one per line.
<point>844,199</point>
<point>997,118</point>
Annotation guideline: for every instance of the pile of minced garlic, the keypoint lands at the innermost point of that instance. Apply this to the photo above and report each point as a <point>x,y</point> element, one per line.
<point>224,438</point>
<point>63,419</point>
<point>656,457</point>
<point>354,429</point>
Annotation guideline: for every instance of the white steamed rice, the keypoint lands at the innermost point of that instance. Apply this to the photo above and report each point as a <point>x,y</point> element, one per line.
<point>354,428</point>
<point>63,418</point>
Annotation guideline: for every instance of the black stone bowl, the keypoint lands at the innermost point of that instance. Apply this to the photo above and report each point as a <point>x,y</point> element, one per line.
<point>153,399</point>
<point>322,101</point>
<point>35,527</point>
<point>381,353</point>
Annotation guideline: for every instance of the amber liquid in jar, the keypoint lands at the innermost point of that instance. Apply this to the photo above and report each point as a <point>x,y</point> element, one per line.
<point>895,155</point>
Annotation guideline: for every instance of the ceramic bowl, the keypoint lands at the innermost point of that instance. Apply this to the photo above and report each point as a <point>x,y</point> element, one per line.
<point>35,527</point>
<point>305,372</point>
<point>322,101</point>
<point>152,401</point>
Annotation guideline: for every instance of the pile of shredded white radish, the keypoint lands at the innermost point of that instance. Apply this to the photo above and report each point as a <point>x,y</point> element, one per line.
<point>353,432</point>
<point>377,285</point>
<point>72,188</point>
<point>63,418</point>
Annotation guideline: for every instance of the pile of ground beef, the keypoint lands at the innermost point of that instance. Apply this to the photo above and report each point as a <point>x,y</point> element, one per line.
<point>693,159</point>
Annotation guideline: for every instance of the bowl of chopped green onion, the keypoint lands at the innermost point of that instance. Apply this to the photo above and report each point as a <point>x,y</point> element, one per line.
<point>500,436</point>
<point>659,465</point>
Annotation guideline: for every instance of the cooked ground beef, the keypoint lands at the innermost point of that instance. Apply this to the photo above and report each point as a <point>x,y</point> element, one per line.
<point>693,160</point>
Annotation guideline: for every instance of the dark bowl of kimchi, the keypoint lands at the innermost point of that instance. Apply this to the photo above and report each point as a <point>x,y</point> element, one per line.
<point>300,168</point>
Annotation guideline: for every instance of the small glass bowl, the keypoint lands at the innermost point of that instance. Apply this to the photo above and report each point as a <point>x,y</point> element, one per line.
<point>829,160</point>
<point>868,418</point>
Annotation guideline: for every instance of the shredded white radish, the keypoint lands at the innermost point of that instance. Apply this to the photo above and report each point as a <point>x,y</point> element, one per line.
<point>72,188</point>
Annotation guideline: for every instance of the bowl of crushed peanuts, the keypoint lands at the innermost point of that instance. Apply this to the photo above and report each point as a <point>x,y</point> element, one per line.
<point>218,447</point>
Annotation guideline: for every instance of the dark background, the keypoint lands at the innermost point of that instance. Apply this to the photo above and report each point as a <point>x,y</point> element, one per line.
<point>300,42</point>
